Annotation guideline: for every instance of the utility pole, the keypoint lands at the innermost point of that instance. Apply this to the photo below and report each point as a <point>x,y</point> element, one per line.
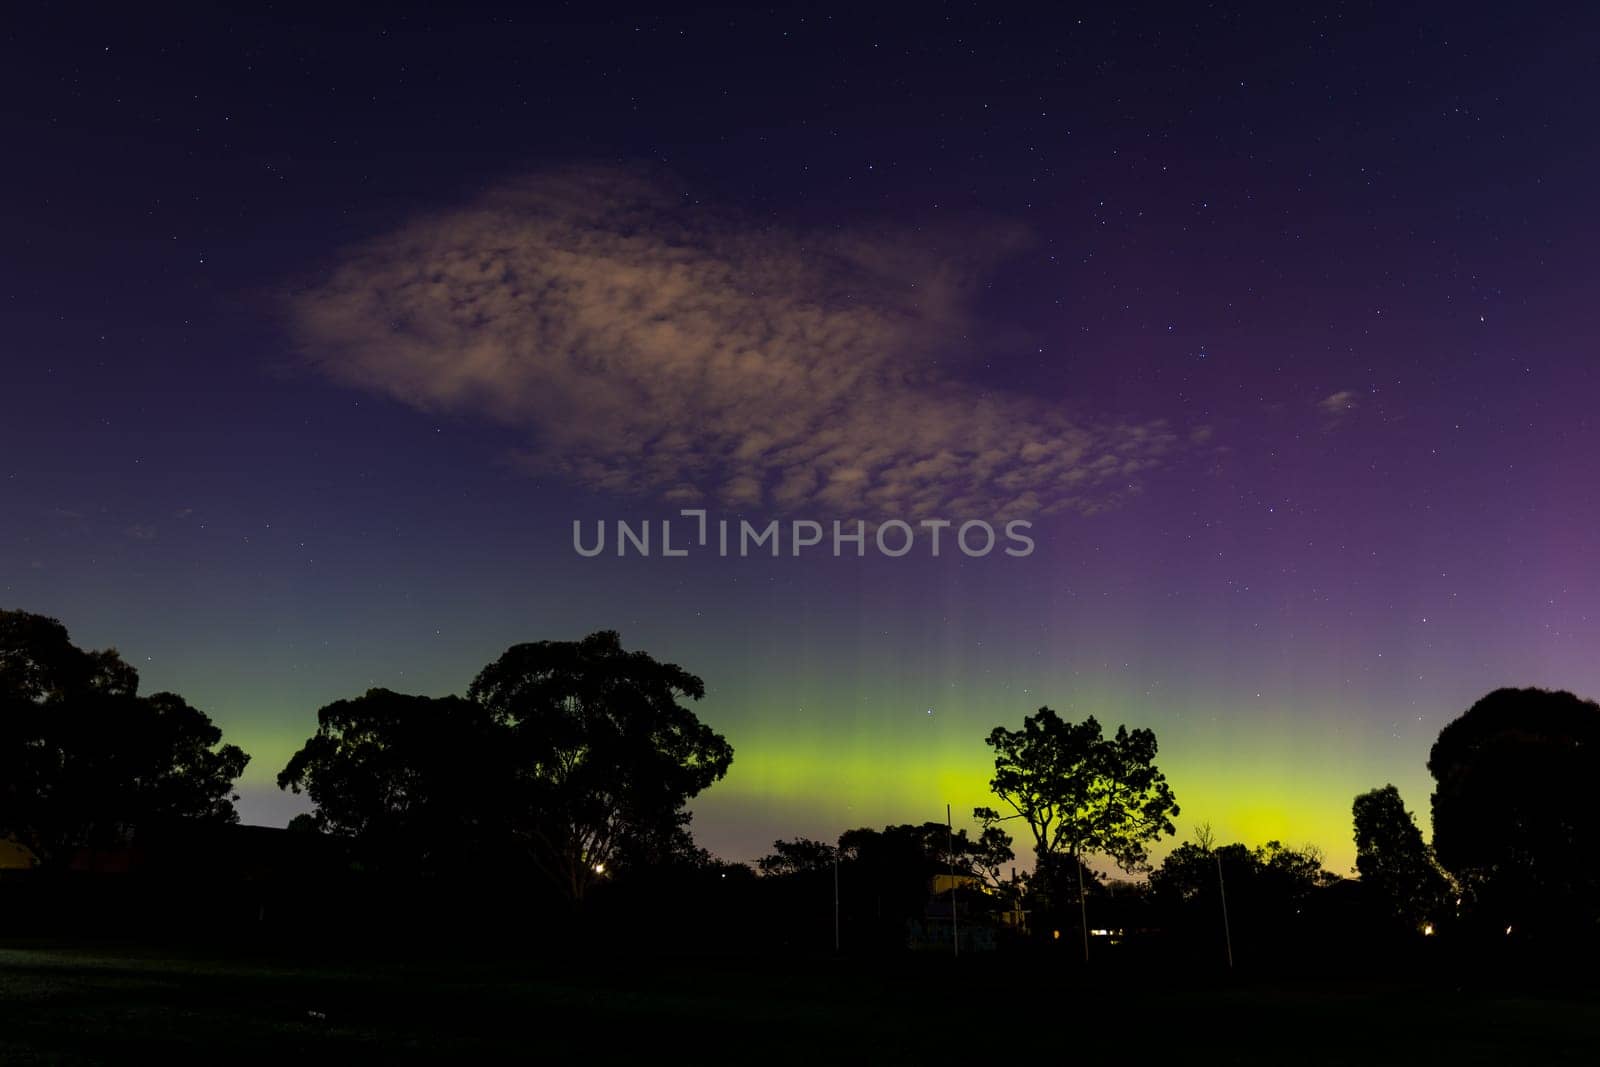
<point>1222,891</point>
<point>950,855</point>
<point>836,901</point>
<point>1083,907</point>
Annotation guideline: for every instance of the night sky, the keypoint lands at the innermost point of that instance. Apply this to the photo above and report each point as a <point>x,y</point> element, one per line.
<point>317,332</point>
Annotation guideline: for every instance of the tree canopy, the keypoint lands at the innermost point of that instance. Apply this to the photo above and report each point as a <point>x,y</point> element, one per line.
<point>421,784</point>
<point>84,758</point>
<point>1254,903</point>
<point>800,855</point>
<point>911,851</point>
<point>1513,812</point>
<point>1079,792</point>
<point>607,756</point>
<point>1396,865</point>
<point>575,757</point>
<point>1271,872</point>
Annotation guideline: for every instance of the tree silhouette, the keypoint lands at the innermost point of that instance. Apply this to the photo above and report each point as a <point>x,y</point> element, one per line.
<point>802,855</point>
<point>986,858</point>
<point>1271,872</point>
<point>915,851</point>
<point>1513,808</point>
<point>1394,861</point>
<point>882,879</point>
<point>420,785</point>
<point>84,758</point>
<point>574,757</point>
<point>1080,793</point>
<point>607,757</point>
<point>1233,899</point>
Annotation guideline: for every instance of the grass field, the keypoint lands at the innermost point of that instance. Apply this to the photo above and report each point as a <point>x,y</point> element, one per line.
<point>79,1004</point>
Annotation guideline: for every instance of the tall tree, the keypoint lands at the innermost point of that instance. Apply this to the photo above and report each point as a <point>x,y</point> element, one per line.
<point>1080,793</point>
<point>987,857</point>
<point>607,756</point>
<point>1513,808</point>
<point>84,758</point>
<point>1231,898</point>
<point>802,855</point>
<point>419,785</point>
<point>1195,870</point>
<point>1394,861</point>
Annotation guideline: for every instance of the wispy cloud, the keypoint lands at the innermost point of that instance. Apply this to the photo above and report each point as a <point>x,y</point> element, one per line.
<point>1338,405</point>
<point>650,347</point>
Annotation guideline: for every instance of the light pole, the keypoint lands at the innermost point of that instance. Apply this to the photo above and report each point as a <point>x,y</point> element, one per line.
<point>1083,907</point>
<point>836,901</point>
<point>1222,891</point>
<point>950,855</point>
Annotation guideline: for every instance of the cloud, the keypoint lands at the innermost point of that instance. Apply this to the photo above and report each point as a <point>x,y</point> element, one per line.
<point>141,531</point>
<point>1337,405</point>
<point>651,347</point>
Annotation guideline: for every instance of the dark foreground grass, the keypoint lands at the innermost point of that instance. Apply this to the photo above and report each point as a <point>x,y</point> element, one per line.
<point>80,1004</point>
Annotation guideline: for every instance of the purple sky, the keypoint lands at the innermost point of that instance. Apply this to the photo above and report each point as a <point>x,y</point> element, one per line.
<point>319,335</point>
